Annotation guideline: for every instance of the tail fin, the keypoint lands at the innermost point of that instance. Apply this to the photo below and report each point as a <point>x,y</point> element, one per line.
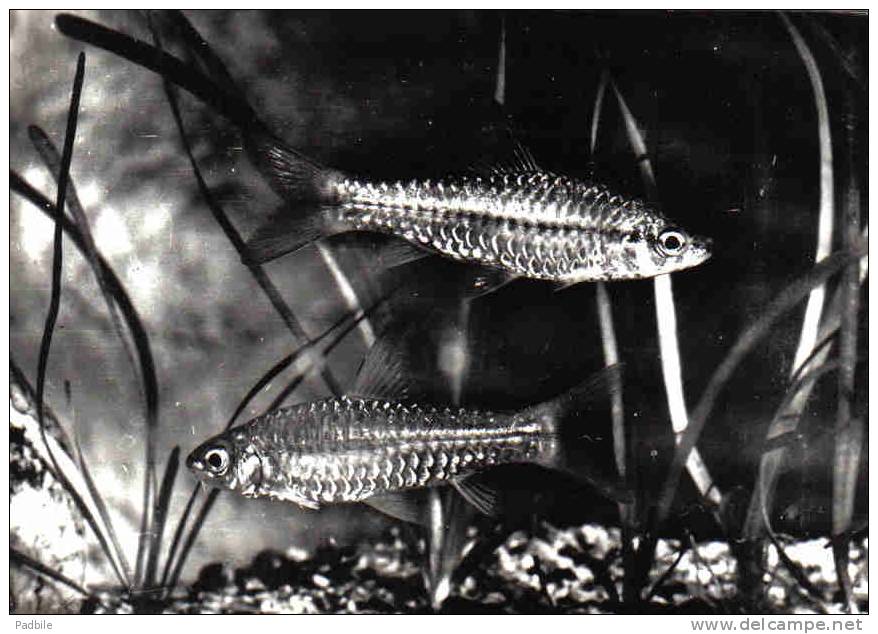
<point>569,435</point>
<point>294,177</point>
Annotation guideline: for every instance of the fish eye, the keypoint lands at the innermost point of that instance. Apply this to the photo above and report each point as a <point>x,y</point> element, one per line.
<point>672,242</point>
<point>217,460</point>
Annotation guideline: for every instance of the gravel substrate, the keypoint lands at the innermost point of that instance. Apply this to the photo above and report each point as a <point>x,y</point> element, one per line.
<point>574,570</point>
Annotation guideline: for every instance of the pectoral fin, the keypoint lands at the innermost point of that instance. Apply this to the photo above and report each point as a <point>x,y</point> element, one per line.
<point>478,493</point>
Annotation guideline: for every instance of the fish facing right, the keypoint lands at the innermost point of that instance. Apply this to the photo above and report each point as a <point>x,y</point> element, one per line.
<point>365,449</point>
<point>519,219</point>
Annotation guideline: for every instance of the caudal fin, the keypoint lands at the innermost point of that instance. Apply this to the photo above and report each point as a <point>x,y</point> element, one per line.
<point>570,432</point>
<point>302,183</point>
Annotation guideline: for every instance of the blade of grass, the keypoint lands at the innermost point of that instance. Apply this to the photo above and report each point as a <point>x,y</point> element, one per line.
<point>666,321</point>
<point>52,159</point>
<point>346,290</point>
<point>178,535</point>
<point>16,557</point>
<point>59,462</point>
<point>123,302</point>
<point>160,515</point>
<point>785,301</point>
<point>63,177</point>
<point>598,109</point>
<point>849,434</point>
<point>638,145</point>
<point>149,57</point>
<point>351,322</point>
<point>147,368</point>
<point>234,237</point>
<point>197,45</point>
<point>684,547</point>
<point>54,305</point>
<point>197,525</point>
<point>102,509</point>
<point>117,290</point>
<point>225,102</point>
<point>627,512</point>
<point>786,419</point>
<point>500,78</point>
<point>309,365</point>
<point>24,398</point>
<point>49,153</point>
<point>811,323</point>
<point>847,62</point>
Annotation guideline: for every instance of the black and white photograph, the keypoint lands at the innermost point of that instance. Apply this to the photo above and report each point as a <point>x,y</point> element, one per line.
<point>439,312</point>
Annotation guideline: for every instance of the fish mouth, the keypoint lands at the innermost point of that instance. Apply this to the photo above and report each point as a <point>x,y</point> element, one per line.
<point>700,250</point>
<point>193,463</point>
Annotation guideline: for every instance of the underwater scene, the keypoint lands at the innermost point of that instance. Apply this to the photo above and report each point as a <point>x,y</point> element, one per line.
<point>446,311</point>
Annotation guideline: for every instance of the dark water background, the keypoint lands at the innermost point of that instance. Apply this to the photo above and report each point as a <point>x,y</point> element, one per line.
<point>727,112</point>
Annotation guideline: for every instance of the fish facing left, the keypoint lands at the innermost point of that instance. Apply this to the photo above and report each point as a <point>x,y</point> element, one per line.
<point>366,449</point>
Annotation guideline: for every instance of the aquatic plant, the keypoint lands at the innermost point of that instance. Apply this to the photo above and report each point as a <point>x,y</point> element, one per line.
<point>64,460</point>
<point>653,514</point>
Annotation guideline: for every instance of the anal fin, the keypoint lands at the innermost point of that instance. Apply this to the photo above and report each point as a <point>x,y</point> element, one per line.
<point>288,230</point>
<point>397,253</point>
<point>408,506</point>
<point>483,280</point>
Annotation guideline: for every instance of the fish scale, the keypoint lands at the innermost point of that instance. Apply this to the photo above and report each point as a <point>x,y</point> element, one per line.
<point>539,225</point>
<point>346,450</point>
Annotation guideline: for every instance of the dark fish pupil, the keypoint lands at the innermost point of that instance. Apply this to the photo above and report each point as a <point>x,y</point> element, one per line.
<point>672,243</point>
<point>215,460</point>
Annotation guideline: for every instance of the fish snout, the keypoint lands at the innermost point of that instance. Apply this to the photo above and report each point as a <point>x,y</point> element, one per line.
<point>193,463</point>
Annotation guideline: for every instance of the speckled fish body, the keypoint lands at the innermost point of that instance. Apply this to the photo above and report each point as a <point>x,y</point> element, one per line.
<point>516,218</point>
<point>531,224</point>
<point>350,449</point>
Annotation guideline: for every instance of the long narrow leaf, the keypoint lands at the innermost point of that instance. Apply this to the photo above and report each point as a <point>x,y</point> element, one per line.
<point>319,356</point>
<point>225,102</point>
<point>346,290</point>
<point>178,535</point>
<point>52,159</point>
<point>811,323</point>
<point>22,393</point>
<point>193,535</point>
<point>849,434</point>
<point>102,510</point>
<point>500,78</point>
<point>627,512</point>
<point>17,557</point>
<point>199,47</point>
<point>59,462</point>
<point>786,420</point>
<point>784,302</point>
<point>63,177</point>
<point>235,238</point>
<point>666,321</point>
<point>157,61</point>
<point>55,301</point>
<point>160,515</point>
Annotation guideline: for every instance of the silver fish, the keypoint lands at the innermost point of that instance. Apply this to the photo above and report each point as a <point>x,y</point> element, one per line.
<point>519,219</point>
<point>361,449</point>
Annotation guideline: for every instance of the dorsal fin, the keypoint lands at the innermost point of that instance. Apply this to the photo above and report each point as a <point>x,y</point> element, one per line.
<point>383,373</point>
<point>508,155</point>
